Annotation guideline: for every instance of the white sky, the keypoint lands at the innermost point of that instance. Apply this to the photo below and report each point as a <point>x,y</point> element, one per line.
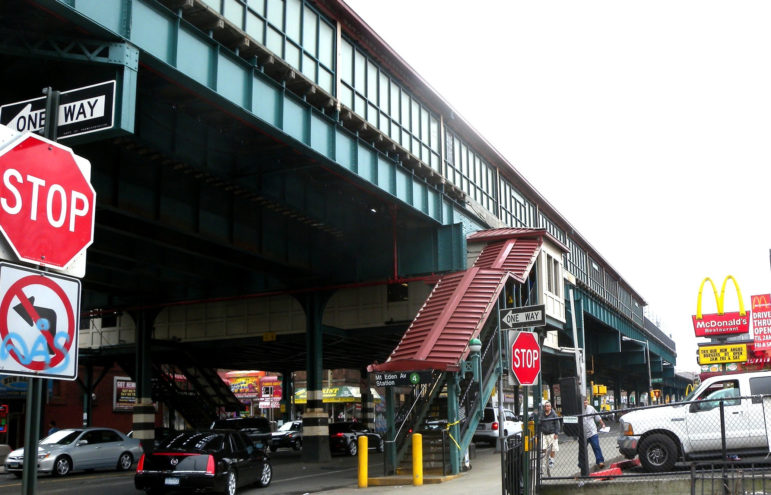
<point>647,124</point>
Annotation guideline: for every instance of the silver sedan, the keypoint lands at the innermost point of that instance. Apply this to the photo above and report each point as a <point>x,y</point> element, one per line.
<point>78,449</point>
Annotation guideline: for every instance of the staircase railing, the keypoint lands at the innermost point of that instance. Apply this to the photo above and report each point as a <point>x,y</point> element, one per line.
<point>412,413</point>
<point>474,396</point>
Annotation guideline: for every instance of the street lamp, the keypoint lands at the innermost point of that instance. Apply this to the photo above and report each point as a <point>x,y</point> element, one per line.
<point>647,360</point>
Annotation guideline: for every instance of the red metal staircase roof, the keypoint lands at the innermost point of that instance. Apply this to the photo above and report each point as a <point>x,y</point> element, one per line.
<point>461,302</point>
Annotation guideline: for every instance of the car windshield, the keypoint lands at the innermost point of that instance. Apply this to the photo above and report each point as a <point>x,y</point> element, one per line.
<point>291,426</point>
<point>205,442</point>
<point>259,424</point>
<point>61,437</point>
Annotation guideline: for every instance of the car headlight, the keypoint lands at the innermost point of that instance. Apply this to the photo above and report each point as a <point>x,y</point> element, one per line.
<point>627,429</point>
<point>43,455</point>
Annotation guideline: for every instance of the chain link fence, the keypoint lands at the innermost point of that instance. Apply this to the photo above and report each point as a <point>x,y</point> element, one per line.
<point>722,439</point>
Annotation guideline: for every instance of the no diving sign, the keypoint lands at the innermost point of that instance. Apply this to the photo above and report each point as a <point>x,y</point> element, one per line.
<point>38,323</point>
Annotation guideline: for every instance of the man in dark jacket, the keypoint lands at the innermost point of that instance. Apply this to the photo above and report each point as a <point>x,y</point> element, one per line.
<point>550,428</point>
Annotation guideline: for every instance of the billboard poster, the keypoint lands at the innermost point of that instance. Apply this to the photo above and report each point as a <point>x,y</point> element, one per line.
<point>761,321</point>
<point>124,394</point>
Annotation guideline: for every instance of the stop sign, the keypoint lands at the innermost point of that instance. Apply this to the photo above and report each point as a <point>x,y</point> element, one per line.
<point>526,357</point>
<point>46,201</point>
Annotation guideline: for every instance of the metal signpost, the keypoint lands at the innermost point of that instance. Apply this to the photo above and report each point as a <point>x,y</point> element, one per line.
<point>80,111</point>
<point>47,215</point>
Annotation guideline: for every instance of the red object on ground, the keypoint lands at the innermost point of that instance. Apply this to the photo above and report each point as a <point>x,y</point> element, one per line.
<point>626,464</point>
<point>606,473</point>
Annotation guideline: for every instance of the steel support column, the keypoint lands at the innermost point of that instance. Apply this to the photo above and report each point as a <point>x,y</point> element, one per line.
<point>315,419</point>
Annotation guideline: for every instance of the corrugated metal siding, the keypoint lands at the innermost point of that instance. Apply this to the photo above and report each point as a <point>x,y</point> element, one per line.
<point>513,255</point>
<point>453,313</point>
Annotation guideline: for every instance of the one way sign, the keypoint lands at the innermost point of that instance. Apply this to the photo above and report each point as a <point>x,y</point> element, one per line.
<point>81,111</point>
<point>528,316</point>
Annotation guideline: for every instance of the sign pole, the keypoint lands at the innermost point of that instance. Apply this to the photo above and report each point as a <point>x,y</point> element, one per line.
<point>31,434</point>
<point>35,385</point>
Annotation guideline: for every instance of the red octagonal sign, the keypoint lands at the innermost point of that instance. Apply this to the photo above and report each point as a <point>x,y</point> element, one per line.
<point>46,201</point>
<point>526,358</point>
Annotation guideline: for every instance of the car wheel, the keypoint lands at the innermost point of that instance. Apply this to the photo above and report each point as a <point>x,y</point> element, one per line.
<point>267,475</point>
<point>125,461</point>
<point>230,483</point>
<point>353,448</point>
<point>273,448</point>
<point>18,475</point>
<point>62,466</point>
<point>658,453</point>
<point>298,445</point>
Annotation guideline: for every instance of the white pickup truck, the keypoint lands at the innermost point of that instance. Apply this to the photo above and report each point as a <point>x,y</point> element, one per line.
<point>692,430</point>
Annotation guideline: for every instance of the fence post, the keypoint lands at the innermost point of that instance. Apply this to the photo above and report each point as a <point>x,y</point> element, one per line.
<point>723,446</point>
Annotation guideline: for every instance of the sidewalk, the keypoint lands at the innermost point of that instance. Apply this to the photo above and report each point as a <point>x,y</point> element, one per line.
<point>483,477</point>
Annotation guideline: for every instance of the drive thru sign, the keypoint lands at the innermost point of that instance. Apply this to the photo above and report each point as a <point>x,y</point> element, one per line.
<point>525,357</point>
<point>46,201</point>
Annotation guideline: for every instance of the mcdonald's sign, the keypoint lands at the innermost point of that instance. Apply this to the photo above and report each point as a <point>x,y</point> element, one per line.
<point>722,323</point>
<point>761,321</point>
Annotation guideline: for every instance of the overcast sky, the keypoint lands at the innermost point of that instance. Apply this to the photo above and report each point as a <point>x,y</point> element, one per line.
<point>647,124</point>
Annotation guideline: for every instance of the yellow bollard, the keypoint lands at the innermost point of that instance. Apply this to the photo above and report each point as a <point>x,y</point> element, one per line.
<point>363,454</point>
<point>417,459</point>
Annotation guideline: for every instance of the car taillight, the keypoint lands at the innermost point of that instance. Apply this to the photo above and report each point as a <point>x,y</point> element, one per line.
<point>141,464</point>
<point>339,435</point>
<point>210,465</point>
<point>495,426</point>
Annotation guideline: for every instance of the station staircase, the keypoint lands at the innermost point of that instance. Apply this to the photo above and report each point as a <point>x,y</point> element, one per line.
<point>462,306</point>
<point>195,392</point>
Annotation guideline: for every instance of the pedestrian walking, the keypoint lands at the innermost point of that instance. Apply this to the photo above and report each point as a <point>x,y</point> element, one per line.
<point>550,428</point>
<point>590,421</point>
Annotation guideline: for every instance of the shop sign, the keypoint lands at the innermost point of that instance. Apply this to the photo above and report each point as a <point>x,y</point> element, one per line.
<point>717,354</point>
<point>761,321</point>
<point>124,394</point>
<point>721,323</point>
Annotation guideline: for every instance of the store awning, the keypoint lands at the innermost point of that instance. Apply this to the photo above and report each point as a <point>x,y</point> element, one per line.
<point>336,394</point>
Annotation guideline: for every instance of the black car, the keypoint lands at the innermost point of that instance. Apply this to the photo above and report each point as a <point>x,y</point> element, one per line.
<point>344,437</point>
<point>257,428</point>
<point>215,460</point>
<point>290,434</point>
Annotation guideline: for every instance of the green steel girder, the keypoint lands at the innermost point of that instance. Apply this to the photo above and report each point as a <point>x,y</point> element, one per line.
<point>599,310</point>
<point>185,54</point>
<point>121,55</point>
<point>80,50</point>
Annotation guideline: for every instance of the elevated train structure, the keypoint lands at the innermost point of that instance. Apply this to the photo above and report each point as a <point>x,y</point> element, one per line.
<point>281,191</point>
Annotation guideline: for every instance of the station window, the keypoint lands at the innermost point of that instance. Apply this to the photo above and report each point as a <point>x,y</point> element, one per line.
<point>554,275</point>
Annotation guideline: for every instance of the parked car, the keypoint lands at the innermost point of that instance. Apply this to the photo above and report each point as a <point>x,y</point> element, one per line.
<point>217,460</point>
<point>344,437</point>
<point>76,449</point>
<point>692,430</point>
<point>489,428</point>
<point>161,432</point>
<point>290,434</point>
<point>256,428</point>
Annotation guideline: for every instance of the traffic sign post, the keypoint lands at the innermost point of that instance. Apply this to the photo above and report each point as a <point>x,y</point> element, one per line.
<point>526,316</point>
<point>38,323</point>
<point>525,358</point>
<point>79,111</point>
<point>47,202</point>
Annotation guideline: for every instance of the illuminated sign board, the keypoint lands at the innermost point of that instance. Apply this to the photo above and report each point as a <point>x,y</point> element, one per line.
<point>761,321</point>
<point>718,354</point>
<point>722,323</point>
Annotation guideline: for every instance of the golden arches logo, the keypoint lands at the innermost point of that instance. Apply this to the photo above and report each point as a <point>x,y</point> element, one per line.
<point>761,302</point>
<point>720,299</point>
